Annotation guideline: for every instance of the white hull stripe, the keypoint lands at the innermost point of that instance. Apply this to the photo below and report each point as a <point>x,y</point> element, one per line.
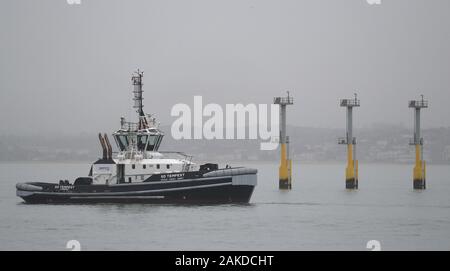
<point>130,192</point>
<point>169,181</point>
<point>119,197</point>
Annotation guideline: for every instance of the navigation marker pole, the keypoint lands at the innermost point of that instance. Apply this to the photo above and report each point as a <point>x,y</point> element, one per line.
<point>285,170</point>
<point>351,173</point>
<point>419,173</point>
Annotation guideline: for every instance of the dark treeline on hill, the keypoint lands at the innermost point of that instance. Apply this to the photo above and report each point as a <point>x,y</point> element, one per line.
<point>381,143</point>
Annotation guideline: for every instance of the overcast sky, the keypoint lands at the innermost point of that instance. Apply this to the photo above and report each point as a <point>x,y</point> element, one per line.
<point>67,67</point>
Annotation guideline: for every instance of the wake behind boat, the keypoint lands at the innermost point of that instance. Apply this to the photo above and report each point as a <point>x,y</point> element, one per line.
<point>138,172</point>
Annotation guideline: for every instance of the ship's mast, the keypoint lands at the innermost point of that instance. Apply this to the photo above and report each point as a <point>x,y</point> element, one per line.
<point>134,139</point>
<point>138,104</point>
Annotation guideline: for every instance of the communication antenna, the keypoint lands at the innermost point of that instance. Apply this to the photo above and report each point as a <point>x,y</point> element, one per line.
<point>137,83</point>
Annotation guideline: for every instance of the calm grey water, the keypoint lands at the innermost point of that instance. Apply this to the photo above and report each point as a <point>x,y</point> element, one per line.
<point>318,214</point>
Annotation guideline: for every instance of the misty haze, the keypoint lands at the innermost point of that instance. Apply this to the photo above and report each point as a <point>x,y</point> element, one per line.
<point>71,71</point>
<point>65,68</point>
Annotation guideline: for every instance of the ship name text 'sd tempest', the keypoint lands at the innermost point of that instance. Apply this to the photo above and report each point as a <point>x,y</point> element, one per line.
<point>139,172</point>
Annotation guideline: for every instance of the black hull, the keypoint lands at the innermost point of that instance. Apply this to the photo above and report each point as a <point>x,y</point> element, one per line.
<point>217,190</point>
<point>213,195</point>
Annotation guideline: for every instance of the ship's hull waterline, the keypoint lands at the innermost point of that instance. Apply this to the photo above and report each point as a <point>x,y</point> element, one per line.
<point>213,190</point>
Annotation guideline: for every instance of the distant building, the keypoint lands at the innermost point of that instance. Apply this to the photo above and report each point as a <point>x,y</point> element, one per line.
<point>446,153</point>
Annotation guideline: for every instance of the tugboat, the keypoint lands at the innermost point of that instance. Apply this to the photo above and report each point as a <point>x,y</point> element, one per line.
<point>140,173</point>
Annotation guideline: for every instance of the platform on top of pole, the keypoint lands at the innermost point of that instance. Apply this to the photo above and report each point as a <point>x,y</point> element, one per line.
<point>350,102</point>
<point>283,100</point>
<point>418,104</point>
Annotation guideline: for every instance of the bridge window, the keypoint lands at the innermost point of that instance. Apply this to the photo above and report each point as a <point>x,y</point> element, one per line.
<point>141,142</point>
<point>151,143</point>
<point>159,141</point>
<point>122,142</point>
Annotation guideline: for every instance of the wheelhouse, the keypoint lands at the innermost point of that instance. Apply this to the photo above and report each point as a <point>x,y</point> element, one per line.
<point>143,140</point>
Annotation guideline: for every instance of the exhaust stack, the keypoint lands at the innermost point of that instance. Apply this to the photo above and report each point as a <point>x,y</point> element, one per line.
<point>103,144</point>
<point>109,148</point>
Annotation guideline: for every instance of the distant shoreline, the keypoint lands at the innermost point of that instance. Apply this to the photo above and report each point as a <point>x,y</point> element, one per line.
<point>233,163</point>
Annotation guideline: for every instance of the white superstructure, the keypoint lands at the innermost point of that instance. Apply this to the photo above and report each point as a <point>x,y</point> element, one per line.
<point>138,157</point>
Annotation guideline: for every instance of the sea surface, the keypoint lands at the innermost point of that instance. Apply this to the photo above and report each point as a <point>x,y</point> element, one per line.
<point>317,214</point>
